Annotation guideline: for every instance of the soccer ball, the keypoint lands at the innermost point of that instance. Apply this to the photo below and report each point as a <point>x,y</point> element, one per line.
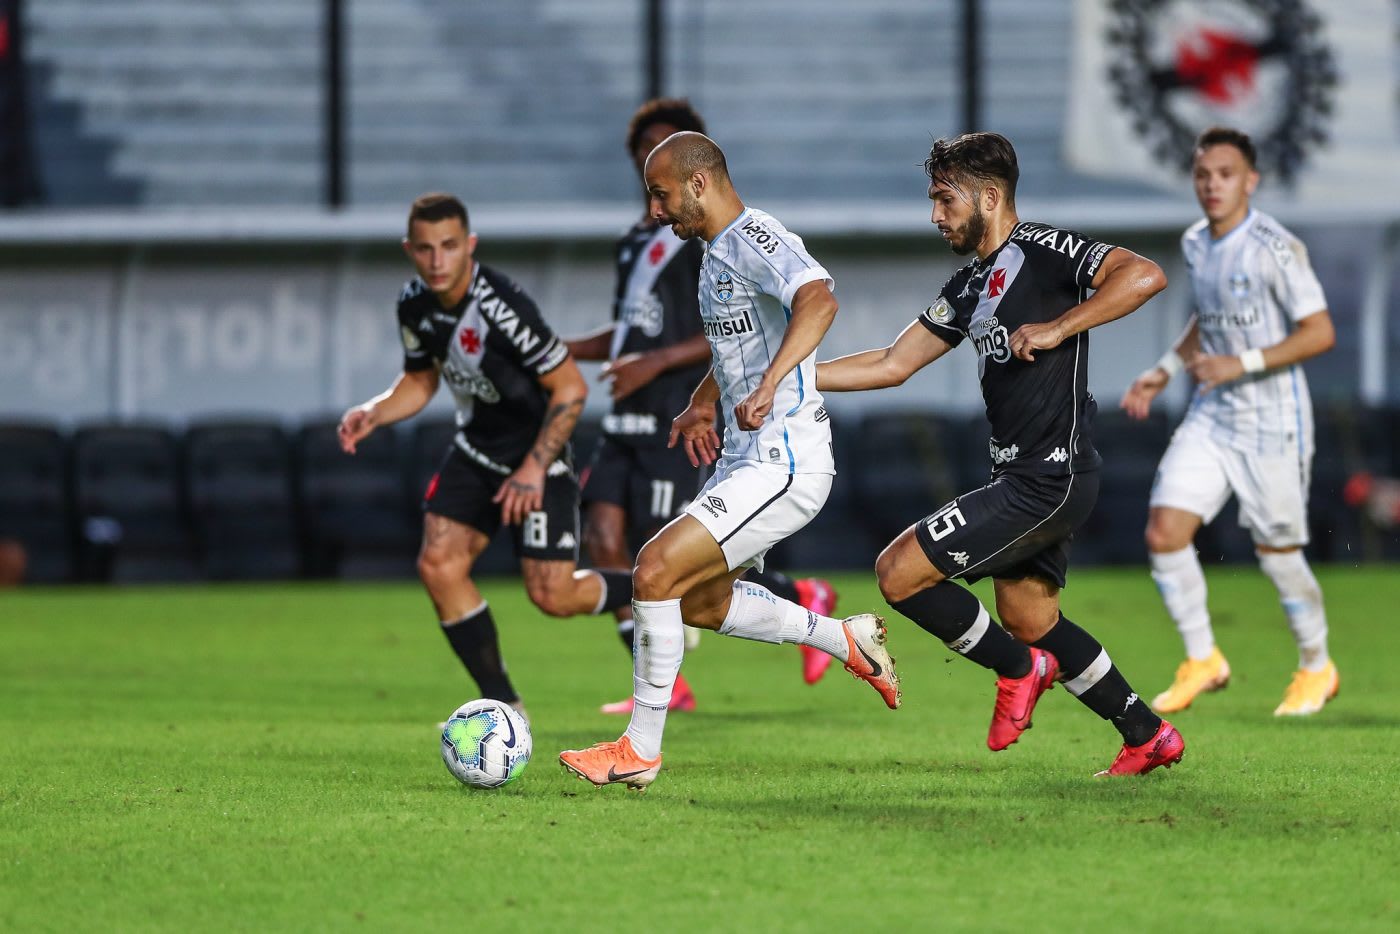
<point>486,743</point>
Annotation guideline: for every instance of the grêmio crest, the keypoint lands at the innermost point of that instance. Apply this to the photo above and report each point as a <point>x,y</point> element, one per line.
<point>1261,66</point>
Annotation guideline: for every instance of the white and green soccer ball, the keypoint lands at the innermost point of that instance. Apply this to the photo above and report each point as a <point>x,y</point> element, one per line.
<point>486,743</point>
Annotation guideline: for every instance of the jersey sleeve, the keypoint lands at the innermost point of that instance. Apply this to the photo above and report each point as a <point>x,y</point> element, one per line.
<point>1087,266</point>
<point>415,356</point>
<point>538,348</point>
<point>1295,285</point>
<point>777,262</point>
<point>941,320</point>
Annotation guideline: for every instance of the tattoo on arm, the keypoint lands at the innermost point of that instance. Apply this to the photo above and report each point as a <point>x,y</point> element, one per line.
<point>558,426</point>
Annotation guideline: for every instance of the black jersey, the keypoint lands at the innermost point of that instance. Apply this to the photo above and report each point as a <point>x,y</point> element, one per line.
<point>656,305</point>
<point>491,349</point>
<point>1041,413</point>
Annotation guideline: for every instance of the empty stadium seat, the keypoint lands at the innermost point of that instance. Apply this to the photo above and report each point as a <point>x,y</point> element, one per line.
<point>358,520</point>
<point>241,500</point>
<point>129,505</point>
<point>34,499</point>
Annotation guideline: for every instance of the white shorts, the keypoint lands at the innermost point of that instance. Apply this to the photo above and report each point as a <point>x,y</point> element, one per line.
<point>749,507</point>
<point>1198,474</point>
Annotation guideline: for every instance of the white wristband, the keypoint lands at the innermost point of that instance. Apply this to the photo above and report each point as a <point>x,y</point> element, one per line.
<point>1171,363</point>
<point>1253,360</point>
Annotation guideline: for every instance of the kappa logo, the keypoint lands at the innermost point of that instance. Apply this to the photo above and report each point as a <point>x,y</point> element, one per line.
<point>960,557</point>
<point>567,540</point>
<point>996,283</point>
<point>1132,699</point>
<point>1059,455</point>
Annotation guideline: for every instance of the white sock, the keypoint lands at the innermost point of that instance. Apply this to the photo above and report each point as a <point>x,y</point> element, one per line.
<point>1301,597</point>
<point>1182,584</point>
<point>755,613</point>
<point>656,660</point>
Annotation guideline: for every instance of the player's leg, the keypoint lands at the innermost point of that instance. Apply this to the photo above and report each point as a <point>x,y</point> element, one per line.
<point>812,593</point>
<point>1191,487</point>
<point>458,522</point>
<point>1273,505</point>
<point>605,495</point>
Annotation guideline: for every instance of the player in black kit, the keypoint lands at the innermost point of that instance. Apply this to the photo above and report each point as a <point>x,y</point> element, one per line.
<point>518,395</point>
<point>1023,302</point>
<point>656,355</point>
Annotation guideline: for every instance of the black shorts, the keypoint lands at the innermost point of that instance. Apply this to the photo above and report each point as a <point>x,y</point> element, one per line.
<point>462,489</point>
<point>1017,526</point>
<point>653,485</point>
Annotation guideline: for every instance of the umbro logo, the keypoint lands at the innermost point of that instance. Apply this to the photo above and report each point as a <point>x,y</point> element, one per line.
<point>717,503</point>
<point>960,557</point>
<point>1059,455</point>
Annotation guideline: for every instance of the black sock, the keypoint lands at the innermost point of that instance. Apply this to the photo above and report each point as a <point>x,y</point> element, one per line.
<point>1090,675</point>
<point>777,583</point>
<point>619,587</point>
<point>473,638</point>
<point>627,632</point>
<point>952,613</point>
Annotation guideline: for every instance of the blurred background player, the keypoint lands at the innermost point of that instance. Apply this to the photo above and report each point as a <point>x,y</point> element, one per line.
<point>518,397</point>
<point>766,304</point>
<point>656,354</point>
<point>1023,302</point>
<point>1260,312</point>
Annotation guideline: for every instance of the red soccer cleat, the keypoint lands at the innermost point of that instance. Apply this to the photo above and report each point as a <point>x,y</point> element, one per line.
<point>612,763</point>
<point>1016,699</point>
<point>815,594</point>
<point>1166,747</point>
<point>682,700</point>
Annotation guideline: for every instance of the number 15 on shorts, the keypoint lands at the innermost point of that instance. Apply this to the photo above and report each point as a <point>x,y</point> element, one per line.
<point>944,522</point>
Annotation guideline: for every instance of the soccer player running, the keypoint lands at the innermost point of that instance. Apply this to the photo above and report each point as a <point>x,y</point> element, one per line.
<point>656,353</point>
<point>1260,312</point>
<point>766,303</point>
<point>1023,302</point>
<point>518,396</point>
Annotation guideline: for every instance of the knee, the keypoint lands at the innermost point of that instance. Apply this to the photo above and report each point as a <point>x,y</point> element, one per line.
<point>441,565</point>
<point>606,546</point>
<point>652,579</point>
<point>549,598</point>
<point>897,580</point>
<point>1160,538</point>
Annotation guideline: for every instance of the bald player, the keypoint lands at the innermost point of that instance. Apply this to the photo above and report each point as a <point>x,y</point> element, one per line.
<point>765,304</point>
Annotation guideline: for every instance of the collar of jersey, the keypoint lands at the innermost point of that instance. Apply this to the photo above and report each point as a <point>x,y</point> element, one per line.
<point>719,236</point>
<point>1248,218</point>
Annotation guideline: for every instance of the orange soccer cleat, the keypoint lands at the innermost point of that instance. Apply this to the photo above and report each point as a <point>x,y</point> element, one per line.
<point>612,763</point>
<point>869,659</point>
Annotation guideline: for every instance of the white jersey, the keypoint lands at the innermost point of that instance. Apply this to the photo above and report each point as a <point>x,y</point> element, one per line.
<point>747,280</point>
<point>1249,288</point>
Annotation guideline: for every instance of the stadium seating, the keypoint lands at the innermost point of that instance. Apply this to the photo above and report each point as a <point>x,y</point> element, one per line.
<point>905,466</point>
<point>35,505</point>
<point>1130,451</point>
<point>129,502</point>
<point>240,487</point>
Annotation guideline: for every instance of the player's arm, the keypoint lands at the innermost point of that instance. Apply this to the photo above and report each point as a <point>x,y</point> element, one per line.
<point>915,348</point>
<point>632,371</point>
<point>1123,283</point>
<point>1137,401</point>
<point>523,491</point>
<point>695,427</point>
<point>813,310</point>
<point>1314,335</point>
<point>593,346</point>
<point>410,392</point>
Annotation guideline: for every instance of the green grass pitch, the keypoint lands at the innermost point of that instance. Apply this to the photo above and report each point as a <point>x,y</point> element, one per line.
<point>265,758</point>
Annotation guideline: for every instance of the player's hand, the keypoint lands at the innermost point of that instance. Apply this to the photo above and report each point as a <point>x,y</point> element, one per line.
<point>1137,401</point>
<point>750,413</point>
<point>522,493</point>
<point>355,425</point>
<point>696,428</point>
<point>630,372</point>
<point>1032,337</point>
<point>1210,370</point>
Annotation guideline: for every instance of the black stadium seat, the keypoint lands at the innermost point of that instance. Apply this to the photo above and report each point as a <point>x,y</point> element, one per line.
<point>358,519</point>
<point>34,503</point>
<point>241,500</point>
<point>129,505</point>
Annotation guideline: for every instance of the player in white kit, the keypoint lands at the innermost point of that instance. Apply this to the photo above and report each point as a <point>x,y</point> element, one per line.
<point>766,304</point>
<point>1259,313</point>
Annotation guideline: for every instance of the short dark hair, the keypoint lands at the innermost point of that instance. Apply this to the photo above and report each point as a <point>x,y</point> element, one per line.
<point>437,206</point>
<point>1227,136</point>
<point>673,110</point>
<point>981,157</point>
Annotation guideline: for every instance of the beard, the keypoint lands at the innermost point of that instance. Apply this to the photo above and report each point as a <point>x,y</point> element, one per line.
<point>688,218</point>
<point>964,240</point>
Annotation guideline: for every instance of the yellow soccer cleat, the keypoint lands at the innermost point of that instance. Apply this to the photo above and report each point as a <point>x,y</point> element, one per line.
<point>1309,691</point>
<point>1193,677</point>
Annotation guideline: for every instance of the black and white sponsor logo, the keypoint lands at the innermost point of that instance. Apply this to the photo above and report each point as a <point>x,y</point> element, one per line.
<point>645,314</point>
<point>1002,455</point>
<point>1059,456</point>
<point>1060,240</point>
<point>1096,256</point>
<point>470,382</point>
<point>1176,67</point>
<point>505,319</point>
<point>991,340</point>
<point>714,506</point>
<point>762,237</point>
<point>961,558</point>
<point>729,327</point>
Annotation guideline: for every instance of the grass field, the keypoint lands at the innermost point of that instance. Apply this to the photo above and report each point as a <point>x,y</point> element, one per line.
<point>257,758</point>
